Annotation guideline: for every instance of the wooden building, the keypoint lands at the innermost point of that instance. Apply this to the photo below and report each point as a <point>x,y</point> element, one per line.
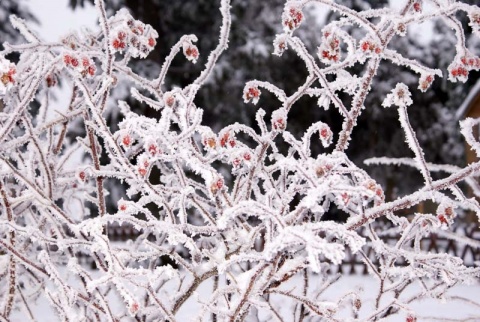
<point>471,108</point>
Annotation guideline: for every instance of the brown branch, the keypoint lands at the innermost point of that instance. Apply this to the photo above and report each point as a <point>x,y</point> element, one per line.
<point>12,266</point>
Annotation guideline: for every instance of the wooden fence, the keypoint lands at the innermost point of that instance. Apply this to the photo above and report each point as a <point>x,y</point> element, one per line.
<point>353,263</point>
<point>435,243</point>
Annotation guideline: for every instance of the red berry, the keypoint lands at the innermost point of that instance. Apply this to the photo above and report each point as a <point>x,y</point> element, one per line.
<point>210,142</point>
<point>324,133</point>
<point>118,44</point>
<point>121,35</point>
<point>411,318</point>
<point>134,308</point>
<point>417,7</point>
<point>126,140</point>
<point>51,81</point>
<point>123,207</point>
<point>365,45</point>
<point>219,183</point>
<point>279,124</point>
<point>247,156</point>
<point>442,219</point>
<point>449,211</point>
<point>91,70</point>
<point>142,171</point>
<point>74,62</point>
<point>224,139</point>
<point>67,59</point>
<point>192,52</point>
<point>170,100</point>
<point>82,175</point>
<point>151,42</point>
<point>152,149</point>
<point>253,92</point>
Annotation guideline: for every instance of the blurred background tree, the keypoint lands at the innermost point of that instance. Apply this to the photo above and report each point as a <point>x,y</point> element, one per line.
<point>7,8</point>
<point>248,57</point>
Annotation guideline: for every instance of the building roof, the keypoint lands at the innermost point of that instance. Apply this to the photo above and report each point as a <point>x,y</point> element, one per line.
<point>463,109</point>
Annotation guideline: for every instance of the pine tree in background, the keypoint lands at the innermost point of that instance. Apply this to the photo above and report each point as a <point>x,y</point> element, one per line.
<point>254,26</point>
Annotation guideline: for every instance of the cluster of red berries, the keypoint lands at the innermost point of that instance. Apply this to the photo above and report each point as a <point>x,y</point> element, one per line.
<point>329,50</point>
<point>190,51</point>
<point>152,149</point>
<point>7,77</point>
<point>251,93</point>
<point>134,37</point>
<point>425,82</point>
<point>345,198</point>
<point>169,99</point>
<point>292,17</point>
<point>84,65</point>
<point>279,45</point>
<point>475,18</point>
<point>417,6</point>
<point>475,21</point>
<point>445,214</point>
<point>127,140</point>
<point>370,47</point>
<point>471,62</point>
<point>134,308</point>
<point>279,124</point>
<point>51,80</point>
<point>459,72</point>
<point>142,166</point>
<point>279,120</point>
<point>209,141</point>
<point>323,169</point>
<point>122,206</point>
<point>379,195</point>
<point>216,185</point>
<point>227,139</point>
<point>241,158</point>
<point>82,176</point>
<point>460,69</point>
<point>411,318</point>
<point>326,135</point>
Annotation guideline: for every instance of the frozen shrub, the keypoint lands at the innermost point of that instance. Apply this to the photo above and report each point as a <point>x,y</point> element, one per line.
<point>241,237</point>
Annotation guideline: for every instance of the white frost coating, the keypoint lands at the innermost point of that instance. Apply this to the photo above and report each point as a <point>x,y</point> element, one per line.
<point>7,75</point>
<point>400,96</point>
<point>219,222</point>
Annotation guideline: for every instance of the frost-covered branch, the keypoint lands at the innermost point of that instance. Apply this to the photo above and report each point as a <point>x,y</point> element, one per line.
<point>239,212</point>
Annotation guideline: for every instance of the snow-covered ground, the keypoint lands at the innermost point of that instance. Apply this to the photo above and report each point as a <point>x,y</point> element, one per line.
<point>426,309</point>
